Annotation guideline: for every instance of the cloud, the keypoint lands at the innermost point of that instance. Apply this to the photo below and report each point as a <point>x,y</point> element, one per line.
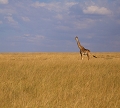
<point>70,4</point>
<point>38,4</point>
<point>1,22</point>
<point>26,35</point>
<point>118,21</point>
<point>59,16</point>
<point>49,6</point>
<point>96,10</point>
<point>83,24</point>
<point>26,19</point>
<point>7,11</point>
<point>3,1</point>
<point>56,6</point>
<point>33,38</point>
<point>11,20</point>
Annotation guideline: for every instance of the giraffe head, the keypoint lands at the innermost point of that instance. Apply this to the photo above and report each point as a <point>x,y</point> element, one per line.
<point>76,38</point>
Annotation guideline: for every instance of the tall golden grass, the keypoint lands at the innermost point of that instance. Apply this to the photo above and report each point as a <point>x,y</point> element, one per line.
<point>59,80</point>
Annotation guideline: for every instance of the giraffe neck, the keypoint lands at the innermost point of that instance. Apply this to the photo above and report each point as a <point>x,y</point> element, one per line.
<point>79,45</point>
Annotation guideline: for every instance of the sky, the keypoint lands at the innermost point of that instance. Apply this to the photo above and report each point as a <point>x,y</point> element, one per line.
<point>51,25</point>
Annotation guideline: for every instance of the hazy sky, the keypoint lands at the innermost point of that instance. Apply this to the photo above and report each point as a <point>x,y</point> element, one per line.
<point>51,25</point>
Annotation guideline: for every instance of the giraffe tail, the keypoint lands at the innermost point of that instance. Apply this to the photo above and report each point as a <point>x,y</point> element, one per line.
<point>94,56</point>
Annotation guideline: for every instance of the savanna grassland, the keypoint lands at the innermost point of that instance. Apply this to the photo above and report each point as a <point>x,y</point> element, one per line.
<point>59,80</point>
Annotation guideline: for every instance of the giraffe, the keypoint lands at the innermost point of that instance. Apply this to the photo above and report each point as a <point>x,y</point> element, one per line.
<point>83,51</point>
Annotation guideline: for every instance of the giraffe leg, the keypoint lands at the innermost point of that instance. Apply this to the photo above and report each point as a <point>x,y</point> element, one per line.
<point>81,56</point>
<point>88,55</point>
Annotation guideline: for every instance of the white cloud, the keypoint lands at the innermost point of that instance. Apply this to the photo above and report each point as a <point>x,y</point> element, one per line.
<point>7,11</point>
<point>26,35</point>
<point>1,22</point>
<point>59,16</point>
<point>56,6</point>
<point>86,23</point>
<point>3,1</point>
<point>11,20</point>
<point>118,21</point>
<point>96,10</point>
<point>37,4</point>
<point>26,19</point>
<point>69,4</point>
<point>63,28</point>
<point>36,38</point>
<point>50,6</point>
<point>32,38</point>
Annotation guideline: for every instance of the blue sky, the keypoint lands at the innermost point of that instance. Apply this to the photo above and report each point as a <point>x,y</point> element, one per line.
<point>51,25</point>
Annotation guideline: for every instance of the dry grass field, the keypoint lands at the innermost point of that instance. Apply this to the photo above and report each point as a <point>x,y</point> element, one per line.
<point>59,80</point>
